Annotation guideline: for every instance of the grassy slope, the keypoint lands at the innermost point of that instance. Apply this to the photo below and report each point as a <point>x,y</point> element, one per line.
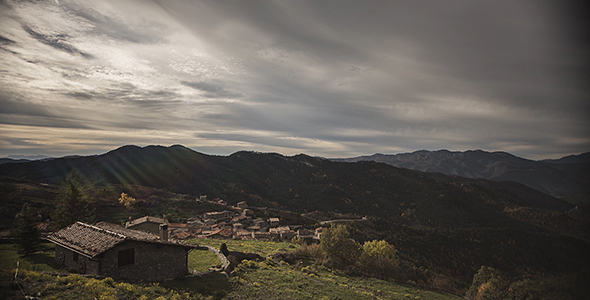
<point>255,280</point>
<point>279,280</point>
<point>271,280</point>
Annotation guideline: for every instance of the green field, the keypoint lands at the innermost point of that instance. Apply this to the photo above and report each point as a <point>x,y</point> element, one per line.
<point>202,260</point>
<point>261,247</point>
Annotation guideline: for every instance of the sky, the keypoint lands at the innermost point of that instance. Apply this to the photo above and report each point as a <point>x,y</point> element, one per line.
<point>325,78</point>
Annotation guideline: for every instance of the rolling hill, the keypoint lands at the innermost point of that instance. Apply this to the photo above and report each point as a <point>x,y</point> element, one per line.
<point>449,224</point>
<point>564,178</point>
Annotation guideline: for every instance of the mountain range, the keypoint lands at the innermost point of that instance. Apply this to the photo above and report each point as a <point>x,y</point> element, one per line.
<point>566,178</point>
<point>448,223</point>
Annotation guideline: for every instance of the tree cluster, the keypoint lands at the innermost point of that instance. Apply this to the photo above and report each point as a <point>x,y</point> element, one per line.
<point>338,250</point>
<point>491,284</point>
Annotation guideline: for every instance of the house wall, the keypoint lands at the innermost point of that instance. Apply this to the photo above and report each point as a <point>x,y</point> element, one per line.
<point>153,262</point>
<point>84,265</point>
<point>147,226</point>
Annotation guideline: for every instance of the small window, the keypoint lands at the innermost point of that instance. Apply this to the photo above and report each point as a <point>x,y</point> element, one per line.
<point>126,257</point>
<point>75,257</point>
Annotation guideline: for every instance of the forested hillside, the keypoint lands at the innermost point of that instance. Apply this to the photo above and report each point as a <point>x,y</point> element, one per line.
<point>447,224</point>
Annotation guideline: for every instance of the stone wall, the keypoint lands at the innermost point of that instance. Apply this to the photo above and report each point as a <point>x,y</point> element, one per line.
<point>153,262</point>
<point>83,265</point>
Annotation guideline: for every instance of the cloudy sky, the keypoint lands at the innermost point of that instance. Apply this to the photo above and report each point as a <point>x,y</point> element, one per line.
<point>327,78</point>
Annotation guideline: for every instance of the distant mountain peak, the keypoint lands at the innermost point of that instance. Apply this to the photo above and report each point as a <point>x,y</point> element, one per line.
<point>561,178</point>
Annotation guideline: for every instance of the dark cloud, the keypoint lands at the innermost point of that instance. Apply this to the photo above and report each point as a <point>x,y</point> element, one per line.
<point>211,89</point>
<point>56,41</point>
<point>6,41</point>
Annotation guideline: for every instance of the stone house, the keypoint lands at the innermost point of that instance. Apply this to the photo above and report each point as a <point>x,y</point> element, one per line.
<point>218,215</point>
<point>240,219</point>
<point>304,233</point>
<point>113,251</point>
<point>222,233</point>
<point>273,222</point>
<point>220,201</point>
<point>287,235</point>
<point>261,236</point>
<point>147,223</point>
<point>242,205</point>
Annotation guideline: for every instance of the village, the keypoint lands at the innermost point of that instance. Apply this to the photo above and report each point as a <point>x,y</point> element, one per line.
<point>236,222</point>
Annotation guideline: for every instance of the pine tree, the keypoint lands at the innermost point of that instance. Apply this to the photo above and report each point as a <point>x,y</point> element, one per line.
<point>27,232</point>
<point>73,204</point>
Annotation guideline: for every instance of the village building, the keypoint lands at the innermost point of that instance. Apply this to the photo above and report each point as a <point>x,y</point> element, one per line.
<point>288,235</point>
<point>274,236</point>
<point>248,212</point>
<point>147,223</point>
<point>209,222</point>
<point>273,222</point>
<point>113,251</point>
<point>220,201</point>
<point>304,233</point>
<point>193,222</point>
<point>218,215</point>
<point>183,235</point>
<point>318,232</point>
<point>283,228</point>
<point>261,235</point>
<point>238,226</point>
<point>242,205</point>
<point>222,233</point>
<point>240,219</point>
<point>242,234</point>
<point>253,228</point>
<point>259,222</point>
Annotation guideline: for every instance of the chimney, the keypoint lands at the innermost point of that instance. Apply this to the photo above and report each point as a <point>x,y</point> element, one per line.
<point>164,232</point>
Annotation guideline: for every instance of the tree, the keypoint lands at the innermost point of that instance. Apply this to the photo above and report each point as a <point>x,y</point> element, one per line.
<point>379,259</point>
<point>27,232</point>
<point>127,200</point>
<point>72,204</point>
<point>340,248</point>
<point>488,283</point>
<point>380,249</point>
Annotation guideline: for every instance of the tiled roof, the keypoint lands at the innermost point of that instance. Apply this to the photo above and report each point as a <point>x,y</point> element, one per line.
<point>93,240</point>
<point>226,232</point>
<point>146,219</point>
<point>176,225</point>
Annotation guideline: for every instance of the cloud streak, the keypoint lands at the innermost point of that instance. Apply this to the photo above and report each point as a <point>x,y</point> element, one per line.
<point>329,78</point>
